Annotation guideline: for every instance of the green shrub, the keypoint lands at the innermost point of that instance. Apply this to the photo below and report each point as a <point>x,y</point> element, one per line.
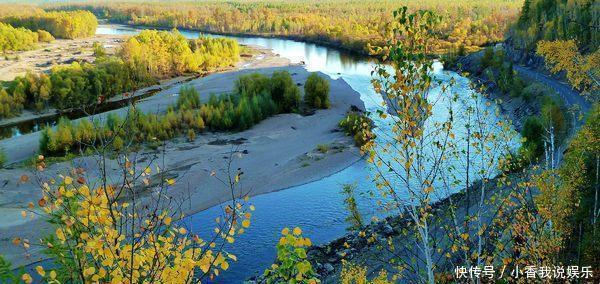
<point>3,158</point>
<point>284,92</point>
<point>252,84</point>
<point>291,265</point>
<point>533,132</point>
<point>316,91</point>
<point>553,114</point>
<point>323,148</point>
<point>236,111</point>
<point>98,49</point>
<point>191,135</point>
<point>188,98</point>
<point>488,58</point>
<point>535,90</point>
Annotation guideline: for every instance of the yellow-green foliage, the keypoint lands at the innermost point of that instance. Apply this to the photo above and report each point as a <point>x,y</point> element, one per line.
<point>582,71</point>
<point>348,24</point>
<point>16,38</point>
<point>251,103</point>
<point>143,59</point>
<point>291,265</point>
<point>69,86</point>
<point>359,126</point>
<point>44,36</point>
<point>355,274</point>
<point>10,105</point>
<point>94,238</point>
<point>164,54</point>
<point>61,24</point>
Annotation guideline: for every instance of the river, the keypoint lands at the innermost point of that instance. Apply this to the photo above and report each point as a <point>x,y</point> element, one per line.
<point>316,207</point>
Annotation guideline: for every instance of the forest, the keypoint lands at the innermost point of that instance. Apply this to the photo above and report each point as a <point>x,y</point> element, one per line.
<point>141,61</point>
<point>61,24</point>
<point>349,24</point>
<point>557,20</point>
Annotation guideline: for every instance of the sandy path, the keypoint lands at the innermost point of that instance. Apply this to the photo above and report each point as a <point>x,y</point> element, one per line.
<point>60,51</point>
<point>275,154</point>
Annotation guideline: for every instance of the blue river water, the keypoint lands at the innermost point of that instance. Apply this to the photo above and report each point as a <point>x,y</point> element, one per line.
<point>316,207</point>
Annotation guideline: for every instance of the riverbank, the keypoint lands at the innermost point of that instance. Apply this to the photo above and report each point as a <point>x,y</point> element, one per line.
<point>278,153</point>
<point>396,231</point>
<point>518,109</point>
<point>61,52</point>
<point>326,43</point>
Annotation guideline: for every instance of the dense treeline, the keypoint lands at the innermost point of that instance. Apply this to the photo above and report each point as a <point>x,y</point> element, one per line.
<point>164,54</point>
<point>255,98</point>
<point>69,86</point>
<point>558,20</point>
<point>142,60</point>
<point>16,38</point>
<point>349,24</point>
<point>61,24</point>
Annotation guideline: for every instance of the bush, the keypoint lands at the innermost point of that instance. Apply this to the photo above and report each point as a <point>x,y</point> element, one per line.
<point>188,98</point>
<point>191,135</point>
<point>3,158</point>
<point>535,90</point>
<point>237,111</point>
<point>533,132</point>
<point>359,126</point>
<point>488,58</point>
<point>98,49</point>
<point>316,91</point>
<point>44,36</point>
<point>12,38</point>
<point>552,113</point>
<point>252,84</point>
<point>323,148</point>
<point>284,92</point>
<point>291,265</point>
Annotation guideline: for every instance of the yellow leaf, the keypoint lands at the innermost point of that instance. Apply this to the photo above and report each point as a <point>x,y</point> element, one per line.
<point>60,234</point>
<point>170,181</point>
<point>246,223</point>
<point>26,278</point>
<point>68,180</point>
<point>40,270</point>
